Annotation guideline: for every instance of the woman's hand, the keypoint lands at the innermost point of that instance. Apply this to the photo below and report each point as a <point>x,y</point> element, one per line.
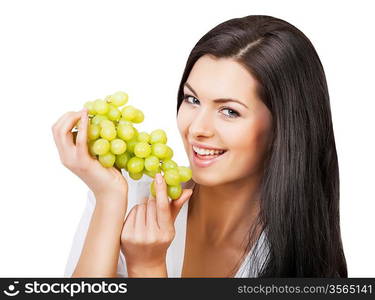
<point>102,181</point>
<point>149,230</point>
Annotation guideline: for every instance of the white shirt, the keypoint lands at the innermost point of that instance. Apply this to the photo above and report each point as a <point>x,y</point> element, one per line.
<point>138,190</point>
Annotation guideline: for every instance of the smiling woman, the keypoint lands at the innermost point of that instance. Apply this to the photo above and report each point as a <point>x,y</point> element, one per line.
<point>279,172</point>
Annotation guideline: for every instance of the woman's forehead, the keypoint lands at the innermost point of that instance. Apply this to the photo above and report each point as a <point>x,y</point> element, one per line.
<point>214,78</point>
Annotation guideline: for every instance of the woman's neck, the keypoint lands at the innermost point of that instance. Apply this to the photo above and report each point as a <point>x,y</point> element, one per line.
<point>224,213</point>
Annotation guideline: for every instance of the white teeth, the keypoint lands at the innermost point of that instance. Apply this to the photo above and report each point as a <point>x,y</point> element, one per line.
<point>207,152</point>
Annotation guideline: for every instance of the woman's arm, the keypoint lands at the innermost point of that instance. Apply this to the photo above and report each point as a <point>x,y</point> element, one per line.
<point>101,249</point>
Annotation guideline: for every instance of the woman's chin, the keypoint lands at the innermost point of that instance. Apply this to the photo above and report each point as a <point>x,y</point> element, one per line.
<point>204,180</point>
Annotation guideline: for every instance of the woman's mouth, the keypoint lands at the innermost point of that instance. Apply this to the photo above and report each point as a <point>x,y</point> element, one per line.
<point>206,160</point>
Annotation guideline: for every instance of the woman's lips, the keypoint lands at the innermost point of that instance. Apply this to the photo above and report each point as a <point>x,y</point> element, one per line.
<point>206,160</point>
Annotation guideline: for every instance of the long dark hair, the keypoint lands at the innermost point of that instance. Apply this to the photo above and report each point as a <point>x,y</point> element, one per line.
<point>299,202</point>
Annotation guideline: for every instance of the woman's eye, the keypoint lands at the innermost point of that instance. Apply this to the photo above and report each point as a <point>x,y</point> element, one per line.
<point>186,98</point>
<point>232,113</point>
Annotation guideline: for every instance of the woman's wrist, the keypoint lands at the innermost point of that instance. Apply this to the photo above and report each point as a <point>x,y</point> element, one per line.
<point>111,202</point>
<point>101,250</point>
<point>151,270</point>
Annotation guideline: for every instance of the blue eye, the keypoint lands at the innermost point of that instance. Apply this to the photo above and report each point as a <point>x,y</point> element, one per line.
<point>233,114</point>
<point>186,97</point>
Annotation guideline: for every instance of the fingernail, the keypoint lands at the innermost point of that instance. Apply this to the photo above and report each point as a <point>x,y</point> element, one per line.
<point>159,178</point>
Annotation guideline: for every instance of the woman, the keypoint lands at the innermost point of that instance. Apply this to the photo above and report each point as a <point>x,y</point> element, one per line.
<point>268,206</point>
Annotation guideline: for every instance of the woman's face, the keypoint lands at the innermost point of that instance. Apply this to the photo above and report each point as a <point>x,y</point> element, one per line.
<point>243,130</point>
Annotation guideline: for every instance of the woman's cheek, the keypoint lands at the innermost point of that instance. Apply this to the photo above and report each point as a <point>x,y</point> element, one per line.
<point>259,149</point>
<point>247,147</point>
<point>184,119</point>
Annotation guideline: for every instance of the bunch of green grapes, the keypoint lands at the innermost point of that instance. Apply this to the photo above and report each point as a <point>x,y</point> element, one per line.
<point>115,142</point>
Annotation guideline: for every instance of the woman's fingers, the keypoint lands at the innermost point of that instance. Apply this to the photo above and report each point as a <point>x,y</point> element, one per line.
<point>129,223</point>
<point>81,141</point>
<point>62,132</point>
<point>56,129</point>
<point>60,121</point>
<point>177,204</point>
<point>63,128</point>
<point>140,219</point>
<point>66,128</point>
<point>151,213</point>
<point>59,135</point>
<point>163,212</point>
<point>155,216</point>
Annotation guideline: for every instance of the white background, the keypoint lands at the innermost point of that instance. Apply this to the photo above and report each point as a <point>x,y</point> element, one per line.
<point>55,55</point>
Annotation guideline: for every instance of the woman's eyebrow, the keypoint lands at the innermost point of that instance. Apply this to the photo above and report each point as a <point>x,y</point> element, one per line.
<point>220,100</point>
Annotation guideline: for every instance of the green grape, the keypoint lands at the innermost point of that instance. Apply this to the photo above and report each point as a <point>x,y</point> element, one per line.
<point>107,123</point>
<point>136,133</point>
<point>98,119</point>
<point>172,177</point>
<point>142,149</point>
<point>185,173</point>
<point>152,163</point>
<point>135,165</point>
<point>90,107</point>
<point>139,116</point>
<point>100,147</point>
<point>131,144</point>
<point>125,132</point>
<point>107,160</point>
<point>168,164</point>
<point>122,160</point>
<point>101,107</point>
<point>119,98</point>
<point>125,122</point>
<point>159,150</point>
<point>108,132</point>
<point>91,148</point>
<point>143,137</point>
<point>169,153</point>
<point>151,173</point>
<point>113,140</point>
<point>93,132</point>
<point>118,146</point>
<point>114,114</point>
<point>174,191</point>
<point>152,189</point>
<point>129,113</point>
<point>158,136</point>
<point>136,176</point>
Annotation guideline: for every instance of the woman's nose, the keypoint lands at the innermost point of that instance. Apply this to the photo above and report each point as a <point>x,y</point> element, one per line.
<point>202,124</point>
